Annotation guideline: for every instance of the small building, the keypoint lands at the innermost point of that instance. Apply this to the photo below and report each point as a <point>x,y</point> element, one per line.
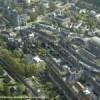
<point>2,27</point>
<point>83,11</point>
<point>22,20</point>
<point>37,59</point>
<point>93,13</point>
<point>46,4</point>
<point>98,17</point>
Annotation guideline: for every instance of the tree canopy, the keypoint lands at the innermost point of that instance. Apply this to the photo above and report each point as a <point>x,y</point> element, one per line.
<point>18,63</point>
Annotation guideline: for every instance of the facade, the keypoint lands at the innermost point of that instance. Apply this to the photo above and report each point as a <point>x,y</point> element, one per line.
<point>98,17</point>
<point>15,18</point>
<point>25,2</point>
<point>2,27</point>
<point>22,20</point>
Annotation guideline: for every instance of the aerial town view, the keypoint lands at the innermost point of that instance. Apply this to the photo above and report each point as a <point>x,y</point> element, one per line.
<point>49,49</point>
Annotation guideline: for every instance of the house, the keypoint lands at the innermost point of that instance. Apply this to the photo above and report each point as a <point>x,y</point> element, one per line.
<point>25,2</point>
<point>74,1</point>
<point>32,59</point>
<point>14,43</point>
<point>93,13</point>
<point>2,27</point>
<point>83,11</point>
<point>97,17</point>
<point>46,4</point>
<point>12,34</point>
<point>37,59</point>
<point>59,18</point>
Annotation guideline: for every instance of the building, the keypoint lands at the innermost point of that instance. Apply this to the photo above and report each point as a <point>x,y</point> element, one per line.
<point>25,2</point>
<point>2,27</point>
<point>98,17</point>
<point>22,20</point>
<point>15,19</point>
<point>46,4</point>
<point>94,45</point>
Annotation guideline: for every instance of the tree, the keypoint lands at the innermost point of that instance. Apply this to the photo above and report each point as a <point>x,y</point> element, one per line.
<point>19,8</point>
<point>6,89</point>
<point>43,52</point>
<point>41,9</point>
<point>52,6</point>
<point>33,16</point>
<point>92,22</point>
<point>19,65</point>
<point>40,67</point>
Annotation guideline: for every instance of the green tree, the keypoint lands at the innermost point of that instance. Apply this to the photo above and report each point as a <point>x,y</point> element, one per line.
<point>43,52</point>
<point>52,6</point>
<point>6,89</point>
<point>19,8</point>
<point>19,65</point>
<point>33,16</point>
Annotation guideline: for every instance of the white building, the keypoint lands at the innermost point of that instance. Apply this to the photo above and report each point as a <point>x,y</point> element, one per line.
<point>98,17</point>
